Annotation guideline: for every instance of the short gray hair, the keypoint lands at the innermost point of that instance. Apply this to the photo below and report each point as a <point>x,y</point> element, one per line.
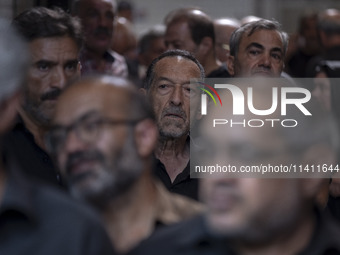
<point>14,60</point>
<point>249,28</point>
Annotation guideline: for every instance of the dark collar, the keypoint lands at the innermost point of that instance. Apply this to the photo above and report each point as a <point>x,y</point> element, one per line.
<point>326,237</point>
<point>18,197</point>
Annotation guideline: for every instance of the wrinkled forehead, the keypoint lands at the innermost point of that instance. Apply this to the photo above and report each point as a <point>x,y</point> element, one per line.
<point>263,35</point>
<point>186,66</point>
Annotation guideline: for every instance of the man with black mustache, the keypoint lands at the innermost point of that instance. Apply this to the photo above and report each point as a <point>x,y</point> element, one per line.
<point>171,94</point>
<point>54,38</point>
<point>97,18</point>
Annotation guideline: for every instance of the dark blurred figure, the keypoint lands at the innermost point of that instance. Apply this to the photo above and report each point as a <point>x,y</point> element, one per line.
<point>125,9</point>
<point>54,39</point>
<point>192,30</point>
<point>326,67</point>
<point>150,46</point>
<point>171,95</point>
<point>253,215</point>
<point>103,140</point>
<point>308,46</point>
<point>35,219</point>
<point>97,18</point>
<point>328,24</point>
<point>124,42</point>
<point>223,29</point>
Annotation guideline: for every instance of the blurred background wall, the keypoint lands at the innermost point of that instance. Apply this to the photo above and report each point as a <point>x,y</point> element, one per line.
<point>150,12</point>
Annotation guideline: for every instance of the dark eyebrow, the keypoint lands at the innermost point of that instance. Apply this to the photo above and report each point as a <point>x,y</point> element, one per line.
<point>72,61</point>
<point>87,115</point>
<point>162,78</point>
<point>277,49</point>
<point>46,62</point>
<point>256,45</point>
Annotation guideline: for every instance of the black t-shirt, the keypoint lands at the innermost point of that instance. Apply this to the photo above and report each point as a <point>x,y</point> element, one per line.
<point>40,220</point>
<point>183,184</point>
<point>191,237</point>
<point>19,146</point>
<point>221,72</point>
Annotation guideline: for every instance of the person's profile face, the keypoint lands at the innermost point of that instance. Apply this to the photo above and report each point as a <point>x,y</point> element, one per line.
<point>54,64</point>
<point>260,54</point>
<point>171,94</point>
<point>97,17</point>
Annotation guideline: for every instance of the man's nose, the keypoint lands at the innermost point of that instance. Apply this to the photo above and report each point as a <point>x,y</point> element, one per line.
<point>177,96</point>
<point>73,143</point>
<point>58,78</point>
<point>265,60</point>
<point>104,21</point>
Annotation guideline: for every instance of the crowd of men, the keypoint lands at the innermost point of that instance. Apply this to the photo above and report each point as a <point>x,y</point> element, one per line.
<point>96,137</point>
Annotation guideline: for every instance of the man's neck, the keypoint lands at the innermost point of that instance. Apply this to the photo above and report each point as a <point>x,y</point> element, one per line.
<point>174,154</point>
<point>36,130</point>
<point>172,147</point>
<point>287,243</point>
<point>95,56</point>
<point>130,217</point>
<point>211,64</point>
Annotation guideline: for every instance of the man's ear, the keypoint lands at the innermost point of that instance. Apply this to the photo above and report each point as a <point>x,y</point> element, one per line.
<point>231,65</point>
<point>143,91</point>
<point>205,45</point>
<point>79,67</point>
<point>8,111</point>
<point>323,38</point>
<point>146,135</point>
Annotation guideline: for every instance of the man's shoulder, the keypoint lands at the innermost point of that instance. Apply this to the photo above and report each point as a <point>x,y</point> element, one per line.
<point>325,239</point>
<point>50,200</point>
<point>174,207</point>
<point>54,219</point>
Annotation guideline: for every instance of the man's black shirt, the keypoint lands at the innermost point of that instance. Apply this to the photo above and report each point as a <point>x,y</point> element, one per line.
<point>221,72</point>
<point>39,220</point>
<point>192,237</point>
<point>183,184</point>
<point>19,146</point>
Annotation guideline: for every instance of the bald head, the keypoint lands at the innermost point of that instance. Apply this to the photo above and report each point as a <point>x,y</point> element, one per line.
<point>223,29</point>
<point>102,138</point>
<point>124,40</point>
<point>104,94</point>
<point>329,28</point>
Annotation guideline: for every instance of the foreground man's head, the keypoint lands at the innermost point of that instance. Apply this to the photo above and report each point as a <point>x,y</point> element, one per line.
<point>102,136</point>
